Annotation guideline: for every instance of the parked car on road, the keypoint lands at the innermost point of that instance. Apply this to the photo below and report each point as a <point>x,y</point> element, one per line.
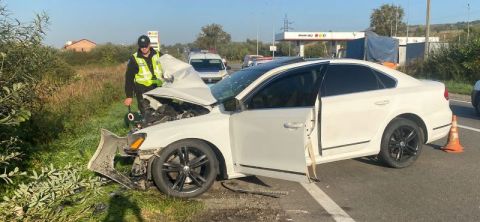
<point>277,120</point>
<point>261,60</point>
<point>248,59</point>
<point>476,97</point>
<point>210,66</point>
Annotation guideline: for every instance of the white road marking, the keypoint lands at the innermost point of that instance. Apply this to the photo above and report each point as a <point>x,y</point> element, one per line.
<point>469,128</point>
<point>460,101</point>
<point>328,204</point>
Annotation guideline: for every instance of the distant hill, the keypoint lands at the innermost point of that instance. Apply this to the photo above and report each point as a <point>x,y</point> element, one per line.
<point>448,31</point>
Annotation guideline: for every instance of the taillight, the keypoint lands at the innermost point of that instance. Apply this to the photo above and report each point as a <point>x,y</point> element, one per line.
<point>445,93</point>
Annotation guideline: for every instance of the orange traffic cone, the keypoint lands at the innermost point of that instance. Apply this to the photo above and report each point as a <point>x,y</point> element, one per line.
<point>453,144</point>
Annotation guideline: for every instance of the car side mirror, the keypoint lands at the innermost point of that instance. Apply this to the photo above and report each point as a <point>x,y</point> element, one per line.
<point>232,105</point>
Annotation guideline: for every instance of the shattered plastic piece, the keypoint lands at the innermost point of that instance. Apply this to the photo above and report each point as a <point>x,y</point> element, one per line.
<point>102,160</point>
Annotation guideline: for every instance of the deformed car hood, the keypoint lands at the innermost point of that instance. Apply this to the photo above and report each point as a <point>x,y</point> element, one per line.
<point>186,86</point>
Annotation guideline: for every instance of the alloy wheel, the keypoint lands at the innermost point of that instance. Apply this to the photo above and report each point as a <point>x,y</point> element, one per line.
<point>186,169</point>
<point>403,143</point>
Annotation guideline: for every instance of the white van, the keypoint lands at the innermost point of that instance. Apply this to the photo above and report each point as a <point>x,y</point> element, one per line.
<point>209,65</point>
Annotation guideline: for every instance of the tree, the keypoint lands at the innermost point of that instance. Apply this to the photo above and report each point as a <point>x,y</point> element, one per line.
<point>315,50</point>
<point>387,20</point>
<point>212,36</point>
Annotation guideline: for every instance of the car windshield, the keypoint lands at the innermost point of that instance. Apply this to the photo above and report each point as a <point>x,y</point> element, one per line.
<point>206,65</point>
<point>232,85</point>
<point>235,83</point>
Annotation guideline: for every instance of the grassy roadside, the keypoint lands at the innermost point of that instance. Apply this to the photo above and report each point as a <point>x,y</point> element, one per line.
<point>80,110</point>
<point>458,87</point>
<point>114,202</point>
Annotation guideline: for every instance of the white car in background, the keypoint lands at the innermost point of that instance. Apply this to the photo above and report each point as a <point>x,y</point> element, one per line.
<point>248,60</point>
<point>277,120</point>
<point>261,60</point>
<point>210,66</point>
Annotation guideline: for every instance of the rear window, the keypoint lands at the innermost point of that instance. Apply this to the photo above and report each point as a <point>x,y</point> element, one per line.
<point>207,64</point>
<point>345,79</point>
<point>387,81</point>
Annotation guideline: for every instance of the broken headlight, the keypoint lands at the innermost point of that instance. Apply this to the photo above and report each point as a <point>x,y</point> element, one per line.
<point>135,140</point>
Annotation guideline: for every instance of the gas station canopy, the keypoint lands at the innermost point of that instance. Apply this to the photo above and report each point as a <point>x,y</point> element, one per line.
<point>319,36</point>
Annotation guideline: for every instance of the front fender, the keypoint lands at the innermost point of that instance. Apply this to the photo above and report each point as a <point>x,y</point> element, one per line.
<point>213,128</point>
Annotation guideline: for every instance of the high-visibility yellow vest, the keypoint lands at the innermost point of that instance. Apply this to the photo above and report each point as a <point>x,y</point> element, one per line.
<point>144,76</point>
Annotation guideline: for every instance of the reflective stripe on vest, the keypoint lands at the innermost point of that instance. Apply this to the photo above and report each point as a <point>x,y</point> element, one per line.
<point>144,76</point>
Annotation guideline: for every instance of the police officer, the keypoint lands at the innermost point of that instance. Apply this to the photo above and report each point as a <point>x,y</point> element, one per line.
<point>144,73</point>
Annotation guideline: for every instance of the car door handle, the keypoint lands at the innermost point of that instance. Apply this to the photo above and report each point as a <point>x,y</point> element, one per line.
<point>382,102</point>
<point>293,125</point>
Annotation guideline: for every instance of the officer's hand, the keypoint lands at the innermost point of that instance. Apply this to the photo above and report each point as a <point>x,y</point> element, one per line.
<point>128,101</point>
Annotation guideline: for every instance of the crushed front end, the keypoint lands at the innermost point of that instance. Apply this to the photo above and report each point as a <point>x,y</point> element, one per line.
<point>161,110</point>
<point>103,160</point>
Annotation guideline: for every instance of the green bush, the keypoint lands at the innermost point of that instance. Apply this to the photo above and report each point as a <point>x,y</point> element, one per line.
<point>49,191</point>
<point>25,64</point>
<point>106,54</point>
<point>29,72</point>
<point>458,62</point>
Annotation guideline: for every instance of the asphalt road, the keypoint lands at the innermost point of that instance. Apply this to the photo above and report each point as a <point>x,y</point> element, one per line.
<point>438,187</point>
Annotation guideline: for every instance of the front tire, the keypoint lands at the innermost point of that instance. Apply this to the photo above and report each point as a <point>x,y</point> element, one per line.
<point>402,143</point>
<point>185,169</point>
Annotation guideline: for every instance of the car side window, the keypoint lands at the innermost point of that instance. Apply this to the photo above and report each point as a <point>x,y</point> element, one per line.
<point>387,81</point>
<point>344,79</point>
<point>298,88</point>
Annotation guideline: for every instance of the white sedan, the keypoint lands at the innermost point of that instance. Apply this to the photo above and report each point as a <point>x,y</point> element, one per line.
<point>277,120</point>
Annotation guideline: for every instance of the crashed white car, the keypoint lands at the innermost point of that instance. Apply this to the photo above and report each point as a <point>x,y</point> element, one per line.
<point>276,120</point>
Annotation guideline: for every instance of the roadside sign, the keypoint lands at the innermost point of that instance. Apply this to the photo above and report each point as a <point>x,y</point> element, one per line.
<point>154,40</point>
<point>273,48</point>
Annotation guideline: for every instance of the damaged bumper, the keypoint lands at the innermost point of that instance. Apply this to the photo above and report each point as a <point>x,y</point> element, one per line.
<point>103,160</point>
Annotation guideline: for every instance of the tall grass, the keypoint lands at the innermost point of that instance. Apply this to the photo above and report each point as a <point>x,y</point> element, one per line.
<point>459,87</point>
<point>89,82</point>
<point>68,110</point>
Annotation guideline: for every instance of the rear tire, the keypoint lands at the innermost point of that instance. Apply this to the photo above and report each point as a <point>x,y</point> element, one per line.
<point>402,143</point>
<point>185,169</point>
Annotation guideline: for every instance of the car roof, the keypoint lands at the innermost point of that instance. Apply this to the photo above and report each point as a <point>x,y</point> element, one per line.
<point>203,55</point>
<point>403,78</point>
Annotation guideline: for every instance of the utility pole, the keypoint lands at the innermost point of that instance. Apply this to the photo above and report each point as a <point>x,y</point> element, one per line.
<point>396,20</point>
<point>408,15</point>
<point>287,27</point>
<point>273,41</point>
<point>286,24</point>
<point>468,22</point>
<point>391,28</point>
<point>427,31</point>
<point>257,38</point>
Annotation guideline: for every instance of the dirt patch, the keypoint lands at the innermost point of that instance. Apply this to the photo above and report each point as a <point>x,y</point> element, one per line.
<point>222,204</point>
<point>466,98</point>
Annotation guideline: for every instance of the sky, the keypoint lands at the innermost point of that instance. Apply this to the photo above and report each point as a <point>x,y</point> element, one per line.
<point>180,21</point>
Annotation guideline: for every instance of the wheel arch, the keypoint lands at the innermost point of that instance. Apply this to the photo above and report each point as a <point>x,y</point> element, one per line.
<point>415,118</point>
<point>222,168</point>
